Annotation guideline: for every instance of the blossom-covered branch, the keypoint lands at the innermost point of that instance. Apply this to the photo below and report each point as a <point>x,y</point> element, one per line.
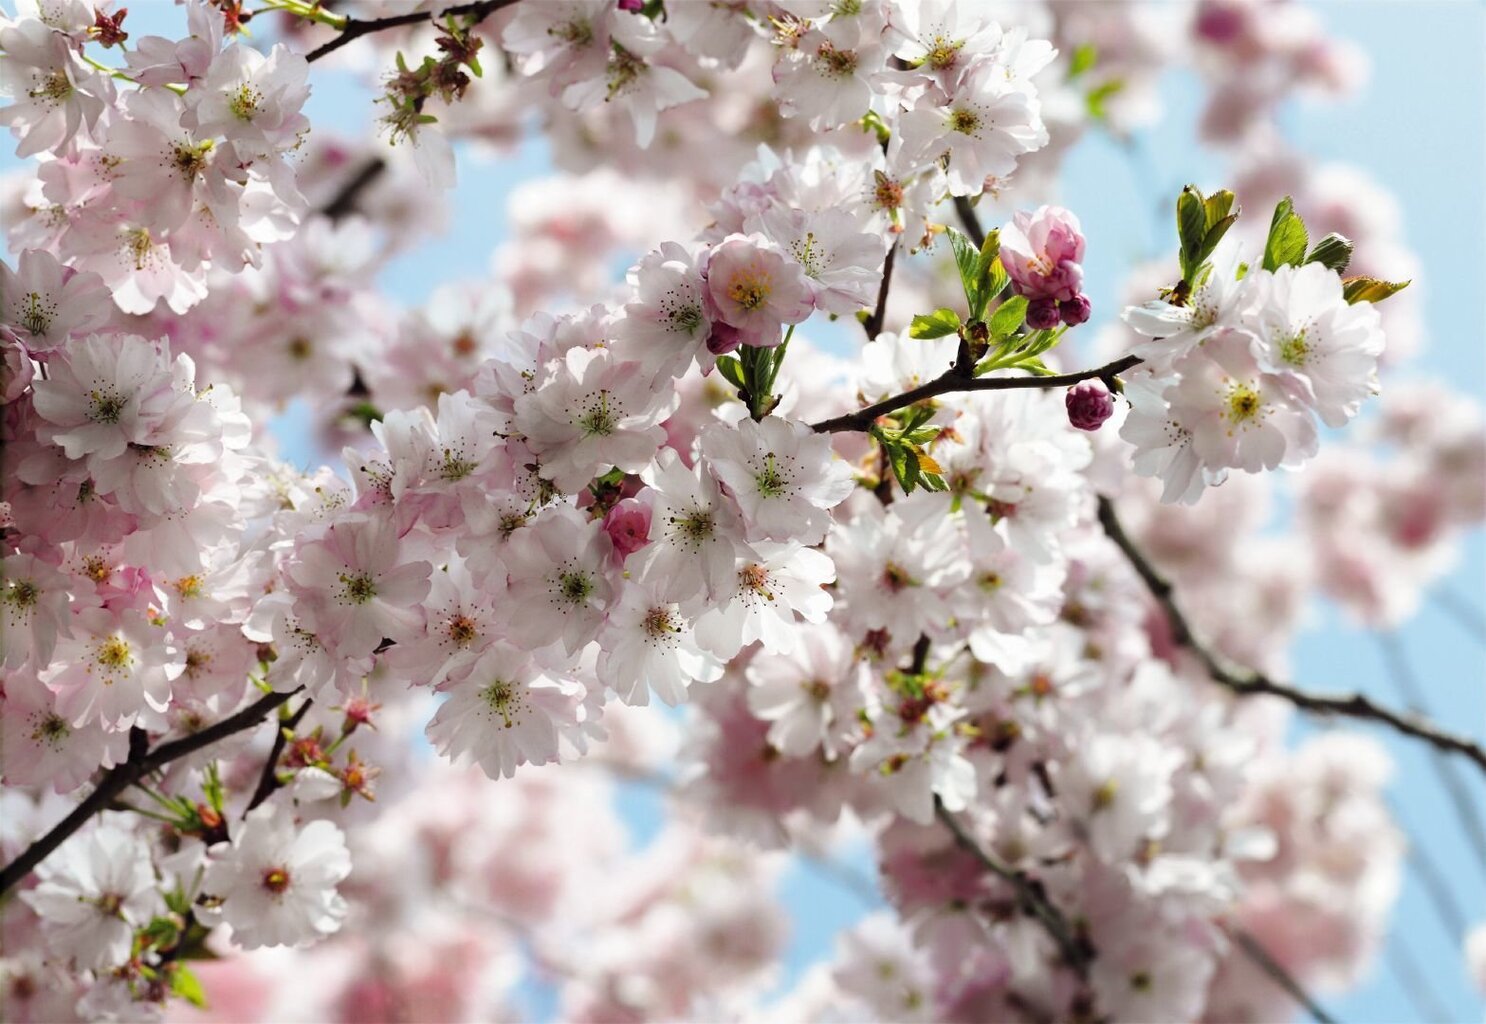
<point>953,382</point>
<point>1249,683</point>
<point>352,29</point>
<point>141,763</point>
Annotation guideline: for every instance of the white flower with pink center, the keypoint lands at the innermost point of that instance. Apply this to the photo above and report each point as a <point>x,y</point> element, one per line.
<point>559,580</point>
<point>52,92</point>
<point>983,122</point>
<point>596,413</point>
<point>756,287</point>
<point>116,668</point>
<point>93,893</point>
<point>647,645</point>
<point>503,712</point>
<point>772,584</point>
<point>810,698</point>
<point>276,884</point>
<point>355,586</point>
<point>45,302</point>
<point>783,475</point>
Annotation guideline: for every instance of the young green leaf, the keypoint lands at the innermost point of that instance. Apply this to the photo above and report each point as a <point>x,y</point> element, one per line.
<point>1191,229</point>
<point>184,983</point>
<point>1333,252</point>
<point>1008,317</point>
<point>731,370</point>
<point>1287,240</point>
<point>937,324</point>
<point>1370,289</point>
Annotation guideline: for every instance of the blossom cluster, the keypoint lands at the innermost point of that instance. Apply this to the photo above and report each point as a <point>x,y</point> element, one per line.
<point>563,502</point>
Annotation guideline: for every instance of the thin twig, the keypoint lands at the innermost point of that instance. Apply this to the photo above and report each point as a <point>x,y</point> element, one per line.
<point>873,323</point>
<point>970,221</point>
<point>1466,615</point>
<point>1248,683</point>
<point>141,762</point>
<point>1262,959</point>
<point>355,29</point>
<point>952,382</point>
<point>1457,789</point>
<point>1076,953</point>
<point>268,781</point>
<point>1415,985</point>
<point>343,202</point>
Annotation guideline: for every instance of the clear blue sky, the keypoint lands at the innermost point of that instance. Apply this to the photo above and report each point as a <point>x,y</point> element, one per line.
<point>1419,127</point>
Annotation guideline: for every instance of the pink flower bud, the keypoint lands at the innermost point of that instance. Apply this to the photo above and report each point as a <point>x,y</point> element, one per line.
<point>628,526</point>
<point>1089,405</point>
<point>632,6</point>
<point>1074,311</point>
<point>723,339</point>
<point>1042,251</point>
<point>1042,314</point>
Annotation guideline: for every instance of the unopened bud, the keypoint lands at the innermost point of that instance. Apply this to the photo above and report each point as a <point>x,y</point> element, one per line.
<point>1089,405</point>
<point>1075,311</point>
<point>1042,314</point>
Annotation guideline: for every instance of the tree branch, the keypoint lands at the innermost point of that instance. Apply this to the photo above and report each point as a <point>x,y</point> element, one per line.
<point>873,323</point>
<point>951,382</point>
<point>1076,952</point>
<point>356,28</point>
<point>1248,683</point>
<point>268,781</point>
<point>970,221</point>
<point>343,203</point>
<point>141,762</point>
<point>1262,959</point>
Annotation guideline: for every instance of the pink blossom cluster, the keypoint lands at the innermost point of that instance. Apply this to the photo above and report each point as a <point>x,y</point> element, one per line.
<point>150,186</point>
<point>564,503</point>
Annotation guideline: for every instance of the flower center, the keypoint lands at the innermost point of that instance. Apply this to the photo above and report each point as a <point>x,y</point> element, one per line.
<point>276,881</point>
<point>599,420</point>
<point>1244,403</point>
<point>244,102</point>
<point>770,480</point>
<point>943,54</point>
<point>835,63</point>
<point>21,594</point>
<point>51,729</point>
<point>55,87</point>
<point>114,653</point>
<point>575,587</point>
<point>462,630</point>
<point>500,695</point>
<point>108,406</point>
<point>750,290</point>
<point>659,623</point>
<point>1295,350</point>
<point>188,587</point>
<point>966,122</point>
<point>36,313</point>
<point>1104,796</point>
<point>755,578</point>
<point>358,589</point>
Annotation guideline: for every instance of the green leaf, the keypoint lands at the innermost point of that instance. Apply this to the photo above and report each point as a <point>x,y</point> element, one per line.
<point>731,370</point>
<point>1218,207</point>
<point>1287,238</point>
<point>1085,56</point>
<point>1008,317</point>
<point>185,984</point>
<point>937,324</point>
<point>1095,98</point>
<point>967,259</point>
<point>1370,289</point>
<point>1333,252</point>
<point>1191,229</point>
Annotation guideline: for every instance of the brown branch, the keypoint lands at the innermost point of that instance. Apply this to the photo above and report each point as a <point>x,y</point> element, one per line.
<point>873,323</point>
<point>952,381</point>
<point>343,203</point>
<point>141,762</point>
<point>1262,959</point>
<point>971,222</point>
<point>1076,951</point>
<point>355,28</point>
<point>268,781</point>
<point>1248,683</point>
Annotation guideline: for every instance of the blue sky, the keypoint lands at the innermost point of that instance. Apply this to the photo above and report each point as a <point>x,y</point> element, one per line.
<point>1419,127</point>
